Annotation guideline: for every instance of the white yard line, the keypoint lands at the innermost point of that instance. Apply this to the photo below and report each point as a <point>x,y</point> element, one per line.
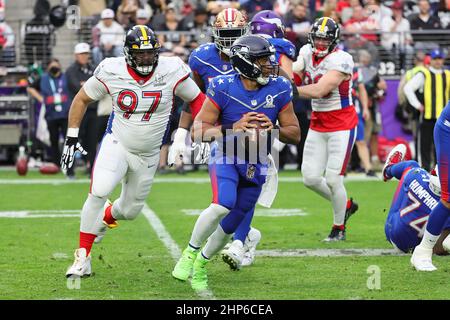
<point>328,252</point>
<point>165,180</point>
<point>273,213</point>
<point>168,241</point>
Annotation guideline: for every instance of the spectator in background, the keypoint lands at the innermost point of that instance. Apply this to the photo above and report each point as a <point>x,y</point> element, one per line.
<point>77,74</point>
<point>396,37</point>
<point>375,87</point>
<point>174,39</point>
<point>38,35</point>
<point>143,17</point>
<point>107,38</point>
<point>360,22</point>
<point>377,11</point>
<point>7,39</point>
<point>298,22</point>
<point>199,28</point>
<point>56,97</point>
<point>435,85</point>
<point>424,21</point>
<point>126,12</point>
<point>214,7</point>
<point>254,6</point>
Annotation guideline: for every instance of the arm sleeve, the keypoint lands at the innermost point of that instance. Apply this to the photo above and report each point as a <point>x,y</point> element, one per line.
<point>95,88</point>
<point>411,87</point>
<point>187,89</point>
<point>343,63</point>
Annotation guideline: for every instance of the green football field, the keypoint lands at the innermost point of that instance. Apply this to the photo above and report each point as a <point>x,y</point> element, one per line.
<point>39,225</point>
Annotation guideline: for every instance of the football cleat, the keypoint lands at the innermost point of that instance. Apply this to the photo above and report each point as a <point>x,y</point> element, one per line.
<point>336,234</point>
<point>421,259</point>
<point>105,226</point>
<point>446,244</point>
<point>199,280</point>
<point>233,255</point>
<point>251,241</point>
<point>184,266</point>
<point>351,208</point>
<point>396,155</point>
<point>81,266</point>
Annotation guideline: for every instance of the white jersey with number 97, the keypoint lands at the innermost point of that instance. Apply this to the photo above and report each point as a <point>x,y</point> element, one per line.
<point>141,106</point>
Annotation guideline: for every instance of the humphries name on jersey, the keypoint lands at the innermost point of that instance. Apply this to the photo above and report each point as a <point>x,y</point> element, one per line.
<point>141,105</point>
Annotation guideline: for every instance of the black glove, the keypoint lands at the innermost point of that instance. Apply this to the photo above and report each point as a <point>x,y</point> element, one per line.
<point>71,146</point>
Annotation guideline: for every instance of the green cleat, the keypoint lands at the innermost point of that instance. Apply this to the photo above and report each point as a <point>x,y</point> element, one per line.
<point>183,268</point>
<point>199,280</point>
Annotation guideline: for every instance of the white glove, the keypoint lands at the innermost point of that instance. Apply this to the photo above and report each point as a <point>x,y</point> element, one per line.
<point>178,146</point>
<point>299,65</point>
<point>201,152</point>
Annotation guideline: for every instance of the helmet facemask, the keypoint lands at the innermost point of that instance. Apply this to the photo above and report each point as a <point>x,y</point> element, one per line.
<point>224,37</point>
<point>321,46</point>
<point>435,184</point>
<point>142,60</point>
<point>269,69</point>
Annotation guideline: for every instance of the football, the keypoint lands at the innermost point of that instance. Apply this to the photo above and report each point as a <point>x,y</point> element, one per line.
<point>49,168</point>
<point>22,166</point>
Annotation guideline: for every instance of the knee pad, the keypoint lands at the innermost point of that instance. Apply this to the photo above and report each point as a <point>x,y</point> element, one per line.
<point>311,181</point>
<point>216,212</point>
<point>128,212</point>
<point>334,180</point>
<point>232,221</point>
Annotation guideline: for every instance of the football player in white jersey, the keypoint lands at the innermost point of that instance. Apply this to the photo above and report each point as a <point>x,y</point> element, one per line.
<point>327,78</point>
<point>142,86</point>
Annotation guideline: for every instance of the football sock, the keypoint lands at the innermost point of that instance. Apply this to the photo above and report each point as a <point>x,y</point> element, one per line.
<point>429,240</point>
<point>216,242</point>
<point>437,219</point>
<point>108,218</point>
<point>338,199</point>
<point>244,227</point>
<point>86,241</point>
<point>320,186</point>
<point>206,224</point>
<point>92,214</point>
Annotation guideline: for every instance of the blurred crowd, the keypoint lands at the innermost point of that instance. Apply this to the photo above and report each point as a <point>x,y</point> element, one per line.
<point>372,31</point>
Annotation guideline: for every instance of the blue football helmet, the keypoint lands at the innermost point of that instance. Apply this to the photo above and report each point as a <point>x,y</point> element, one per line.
<point>253,57</point>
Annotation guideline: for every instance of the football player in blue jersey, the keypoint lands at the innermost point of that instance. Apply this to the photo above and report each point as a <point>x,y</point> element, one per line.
<point>417,194</point>
<point>421,258</point>
<point>269,25</point>
<point>239,102</point>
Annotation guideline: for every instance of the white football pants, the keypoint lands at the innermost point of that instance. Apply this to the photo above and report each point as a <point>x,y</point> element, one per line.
<point>112,165</point>
<point>328,152</point>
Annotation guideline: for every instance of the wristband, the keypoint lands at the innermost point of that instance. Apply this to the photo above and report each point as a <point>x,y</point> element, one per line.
<point>73,132</point>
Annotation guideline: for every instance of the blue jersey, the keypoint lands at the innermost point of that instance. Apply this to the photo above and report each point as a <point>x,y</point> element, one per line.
<point>442,141</point>
<point>206,62</point>
<point>283,47</point>
<point>412,204</point>
<point>228,94</point>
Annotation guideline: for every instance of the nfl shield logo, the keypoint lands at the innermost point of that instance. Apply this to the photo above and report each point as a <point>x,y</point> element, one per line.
<point>254,102</point>
<point>224,67</point>
<point>251,169</point>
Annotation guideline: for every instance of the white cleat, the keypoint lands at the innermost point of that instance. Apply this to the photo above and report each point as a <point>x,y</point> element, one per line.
<point>233,255</point>
<point>446,244</point>
<point>81,266</point>
<point>251,241</point>
<point>105,226</point>
<point>396,155</point>
<point>421,259</point>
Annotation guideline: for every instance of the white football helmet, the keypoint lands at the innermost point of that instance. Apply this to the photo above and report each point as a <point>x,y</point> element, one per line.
<point>435,184</point>
<point>230,25</point>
